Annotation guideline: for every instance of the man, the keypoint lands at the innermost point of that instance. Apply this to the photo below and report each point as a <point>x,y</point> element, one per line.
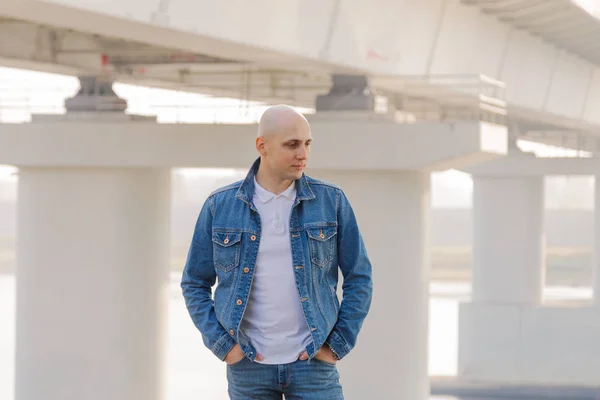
<point>275,241</point>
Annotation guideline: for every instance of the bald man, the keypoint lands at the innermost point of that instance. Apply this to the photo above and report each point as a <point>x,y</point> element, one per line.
<point>276,242</point>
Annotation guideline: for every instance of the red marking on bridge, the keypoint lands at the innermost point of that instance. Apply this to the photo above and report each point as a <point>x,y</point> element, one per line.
<point>373,55</point>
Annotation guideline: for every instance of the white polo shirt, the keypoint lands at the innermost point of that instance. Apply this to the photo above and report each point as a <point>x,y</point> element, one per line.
<point>273,320</point>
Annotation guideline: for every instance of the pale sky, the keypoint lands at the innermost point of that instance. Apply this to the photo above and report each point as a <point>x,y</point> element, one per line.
<point>591,6</point>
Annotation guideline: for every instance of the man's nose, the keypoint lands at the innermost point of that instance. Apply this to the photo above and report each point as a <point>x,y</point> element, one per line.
<point>302,153</point>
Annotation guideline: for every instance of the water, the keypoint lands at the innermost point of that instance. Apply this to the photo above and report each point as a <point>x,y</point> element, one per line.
<point>192,368</point>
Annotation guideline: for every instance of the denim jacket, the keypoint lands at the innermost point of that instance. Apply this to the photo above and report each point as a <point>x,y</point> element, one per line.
<point>324,235</point>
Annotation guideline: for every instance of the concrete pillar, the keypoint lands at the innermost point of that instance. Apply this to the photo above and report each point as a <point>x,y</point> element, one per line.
<point>508,239</point>
<point>92,283</point>
<point>390,359</point>
<point>597,241</point>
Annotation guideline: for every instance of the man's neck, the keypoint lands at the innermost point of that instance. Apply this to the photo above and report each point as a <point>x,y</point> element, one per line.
<point>271,183</point>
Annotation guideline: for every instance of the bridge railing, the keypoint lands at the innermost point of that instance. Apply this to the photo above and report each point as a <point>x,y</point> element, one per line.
<point>446,97</point>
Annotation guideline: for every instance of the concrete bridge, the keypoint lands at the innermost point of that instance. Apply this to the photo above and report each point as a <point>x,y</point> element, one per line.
<point>430,85</point>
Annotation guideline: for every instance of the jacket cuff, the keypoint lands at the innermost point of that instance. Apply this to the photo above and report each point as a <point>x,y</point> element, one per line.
<point>223,346</point>
<point>338,345</point>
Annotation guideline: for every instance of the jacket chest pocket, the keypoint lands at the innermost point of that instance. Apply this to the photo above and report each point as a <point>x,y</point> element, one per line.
<point>322,245</point>
<point>226,250</point>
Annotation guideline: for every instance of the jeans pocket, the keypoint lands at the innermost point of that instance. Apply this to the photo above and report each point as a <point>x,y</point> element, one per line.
<point>325,362</point>
<point>236,363</point>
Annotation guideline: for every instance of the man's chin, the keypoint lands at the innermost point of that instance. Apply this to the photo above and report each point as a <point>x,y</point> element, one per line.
<point>294,176</point>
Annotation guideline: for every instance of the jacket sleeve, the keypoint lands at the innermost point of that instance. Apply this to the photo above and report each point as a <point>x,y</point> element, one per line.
<point>198,278</point>
<point>358,284</point>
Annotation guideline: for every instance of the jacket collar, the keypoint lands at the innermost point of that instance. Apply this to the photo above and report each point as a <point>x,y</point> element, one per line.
<point>265,196</point>
<point>246,190</point>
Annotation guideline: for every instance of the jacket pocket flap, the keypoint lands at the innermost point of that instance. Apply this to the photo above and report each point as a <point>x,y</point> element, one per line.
<point>322,234</point>
<point>226,239</point>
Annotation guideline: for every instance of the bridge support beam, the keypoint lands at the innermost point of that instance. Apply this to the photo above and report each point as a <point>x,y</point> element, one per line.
<point>508,239</point>
<point>393,214</point>
<point>92,283</point>
<point>92,263</point>
<point>508,336</point>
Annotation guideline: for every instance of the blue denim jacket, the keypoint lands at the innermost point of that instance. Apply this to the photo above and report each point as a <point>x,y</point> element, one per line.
<point>324,234</point>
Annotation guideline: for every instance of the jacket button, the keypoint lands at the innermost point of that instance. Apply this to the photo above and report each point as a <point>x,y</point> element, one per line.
<point>239,302</point>
<point>246,270</point>
<point>253,238</point>
<point>231,332</point>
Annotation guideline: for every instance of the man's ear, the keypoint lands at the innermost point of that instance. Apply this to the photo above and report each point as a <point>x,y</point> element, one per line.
<point>260,146</point>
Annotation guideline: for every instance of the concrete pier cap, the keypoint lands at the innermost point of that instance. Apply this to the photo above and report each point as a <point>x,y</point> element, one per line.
<point>343,141</point>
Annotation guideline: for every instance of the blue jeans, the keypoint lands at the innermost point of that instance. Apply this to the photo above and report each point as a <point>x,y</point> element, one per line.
<point>300,380</point>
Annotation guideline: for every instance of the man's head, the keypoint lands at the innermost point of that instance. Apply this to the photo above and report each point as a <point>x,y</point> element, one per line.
<point>283,142</point>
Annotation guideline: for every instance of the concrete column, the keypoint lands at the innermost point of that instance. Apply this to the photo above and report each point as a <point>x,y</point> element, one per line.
<point>390,359</point>
<point>508,239</point>
<point>92,283</point>
<point>597,241</point>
